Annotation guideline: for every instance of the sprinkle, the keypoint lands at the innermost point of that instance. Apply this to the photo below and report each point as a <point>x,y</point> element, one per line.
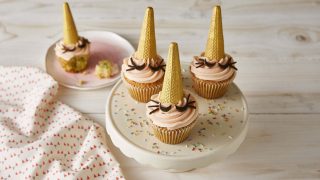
<point>201,131</point>
<point>196,147</point>
<point>218,124</point>
<point>209,122</point>
<point>155,146</point>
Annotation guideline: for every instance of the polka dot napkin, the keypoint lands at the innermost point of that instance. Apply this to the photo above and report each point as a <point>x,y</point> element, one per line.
<point>42,138</point>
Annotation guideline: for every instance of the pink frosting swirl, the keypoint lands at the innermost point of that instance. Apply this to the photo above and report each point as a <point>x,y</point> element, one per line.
<point>78,51</point>
<point>173,119</point>
<point>214,73</point>
<point>146,75</point>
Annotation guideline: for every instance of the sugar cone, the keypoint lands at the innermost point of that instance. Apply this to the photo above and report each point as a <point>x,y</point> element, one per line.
<point>215,45</point>
<point>172,89</point>
<point>70,34</point>
<point>147,44</point>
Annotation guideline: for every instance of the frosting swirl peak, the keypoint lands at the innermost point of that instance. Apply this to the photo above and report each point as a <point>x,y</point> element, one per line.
<point>173,116</point>
<point>67,52</point>
<point>143,71</point>
<point>213,70</point>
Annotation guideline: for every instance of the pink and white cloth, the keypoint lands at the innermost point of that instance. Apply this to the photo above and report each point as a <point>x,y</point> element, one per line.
<point>42,138</point>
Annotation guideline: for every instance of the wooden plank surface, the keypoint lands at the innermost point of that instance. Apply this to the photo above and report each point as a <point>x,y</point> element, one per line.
<point>275,42</point>
<point>277,147</point>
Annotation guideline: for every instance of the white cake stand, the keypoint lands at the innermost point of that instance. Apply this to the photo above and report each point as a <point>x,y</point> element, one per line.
<point>222,126</point>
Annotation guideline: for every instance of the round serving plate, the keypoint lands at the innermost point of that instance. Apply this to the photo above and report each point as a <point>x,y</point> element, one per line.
<point>220,129</point>
<point>103,45</point>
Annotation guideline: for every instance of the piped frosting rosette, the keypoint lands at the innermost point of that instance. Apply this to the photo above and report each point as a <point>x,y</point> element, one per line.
<point>68,51</point>
<point>141,71</point>
<point>205,69</point>
<point>172,116</point>
<point>213,71</point>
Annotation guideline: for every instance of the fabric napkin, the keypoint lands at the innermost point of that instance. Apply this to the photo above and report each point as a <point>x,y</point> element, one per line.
<point>42,138</point>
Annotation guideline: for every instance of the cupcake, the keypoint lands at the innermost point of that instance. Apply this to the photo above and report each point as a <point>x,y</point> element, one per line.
<point>72,51</point>
<point>172,112</point>
<point>143,71</point>
<point>213,71</point>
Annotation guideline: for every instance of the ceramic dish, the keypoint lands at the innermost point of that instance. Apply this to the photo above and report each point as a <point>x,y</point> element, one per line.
<point>104,45</point>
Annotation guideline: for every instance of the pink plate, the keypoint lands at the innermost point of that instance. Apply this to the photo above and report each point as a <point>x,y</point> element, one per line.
<point>104,45</point>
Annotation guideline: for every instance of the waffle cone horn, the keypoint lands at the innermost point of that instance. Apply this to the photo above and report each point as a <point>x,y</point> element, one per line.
<point>215,44</point>
<point>172,89</point>
<point>70,34</point>
<point>147,44</point>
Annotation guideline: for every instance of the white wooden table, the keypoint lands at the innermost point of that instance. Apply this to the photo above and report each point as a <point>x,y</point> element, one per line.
<point>276,44</point>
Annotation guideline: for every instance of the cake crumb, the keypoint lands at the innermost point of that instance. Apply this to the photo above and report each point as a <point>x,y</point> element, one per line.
<point>81,82</point>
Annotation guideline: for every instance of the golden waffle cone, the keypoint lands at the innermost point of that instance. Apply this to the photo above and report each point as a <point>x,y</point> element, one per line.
<point>70,34</point>
<point>215,45</point>
<point>147,44</point>
<point>172,89</point>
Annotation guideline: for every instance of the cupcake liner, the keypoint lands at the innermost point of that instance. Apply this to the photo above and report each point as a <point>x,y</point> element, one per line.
<point>172,136</point>
<point>211,89</point>
<point>76,64</point>
<point>142,92</point>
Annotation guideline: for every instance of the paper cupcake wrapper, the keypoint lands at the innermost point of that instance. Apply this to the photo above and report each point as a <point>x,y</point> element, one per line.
<point>172,136</point>
<point>211,89</point>
<point>76,64</point>
<point>142,92</point>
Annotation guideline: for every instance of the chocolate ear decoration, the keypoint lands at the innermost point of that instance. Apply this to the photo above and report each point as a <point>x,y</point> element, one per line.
<point>164,109</point>
<point>203,62</point>
<point>187,105</point>
<point>134,66</point>
<point>157,68</point>
<point>228,64</point>
<point>67,49</point>
<point>223,66</point>
<point>158,106</point>
<point>181,109</point>
<point>83,42</point>
<point>137,67</point>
